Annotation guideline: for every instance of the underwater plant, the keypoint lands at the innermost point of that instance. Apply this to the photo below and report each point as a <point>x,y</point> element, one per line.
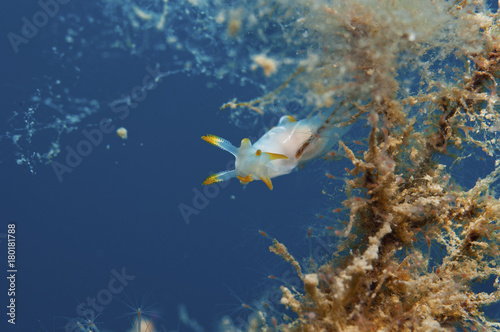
<point>422,75</point>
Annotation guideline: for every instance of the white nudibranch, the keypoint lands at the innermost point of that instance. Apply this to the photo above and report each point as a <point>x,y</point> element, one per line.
<point>278,151</point>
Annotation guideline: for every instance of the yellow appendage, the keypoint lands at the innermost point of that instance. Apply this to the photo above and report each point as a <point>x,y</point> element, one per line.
<point>211,179</point>
<point>212,139</point>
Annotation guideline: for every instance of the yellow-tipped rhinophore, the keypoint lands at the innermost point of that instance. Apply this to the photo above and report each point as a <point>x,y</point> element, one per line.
<point>214,178</point>
<point>212,139</point>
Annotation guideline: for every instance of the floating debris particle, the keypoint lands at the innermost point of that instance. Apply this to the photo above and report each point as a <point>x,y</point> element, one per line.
<point>122,133</point>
